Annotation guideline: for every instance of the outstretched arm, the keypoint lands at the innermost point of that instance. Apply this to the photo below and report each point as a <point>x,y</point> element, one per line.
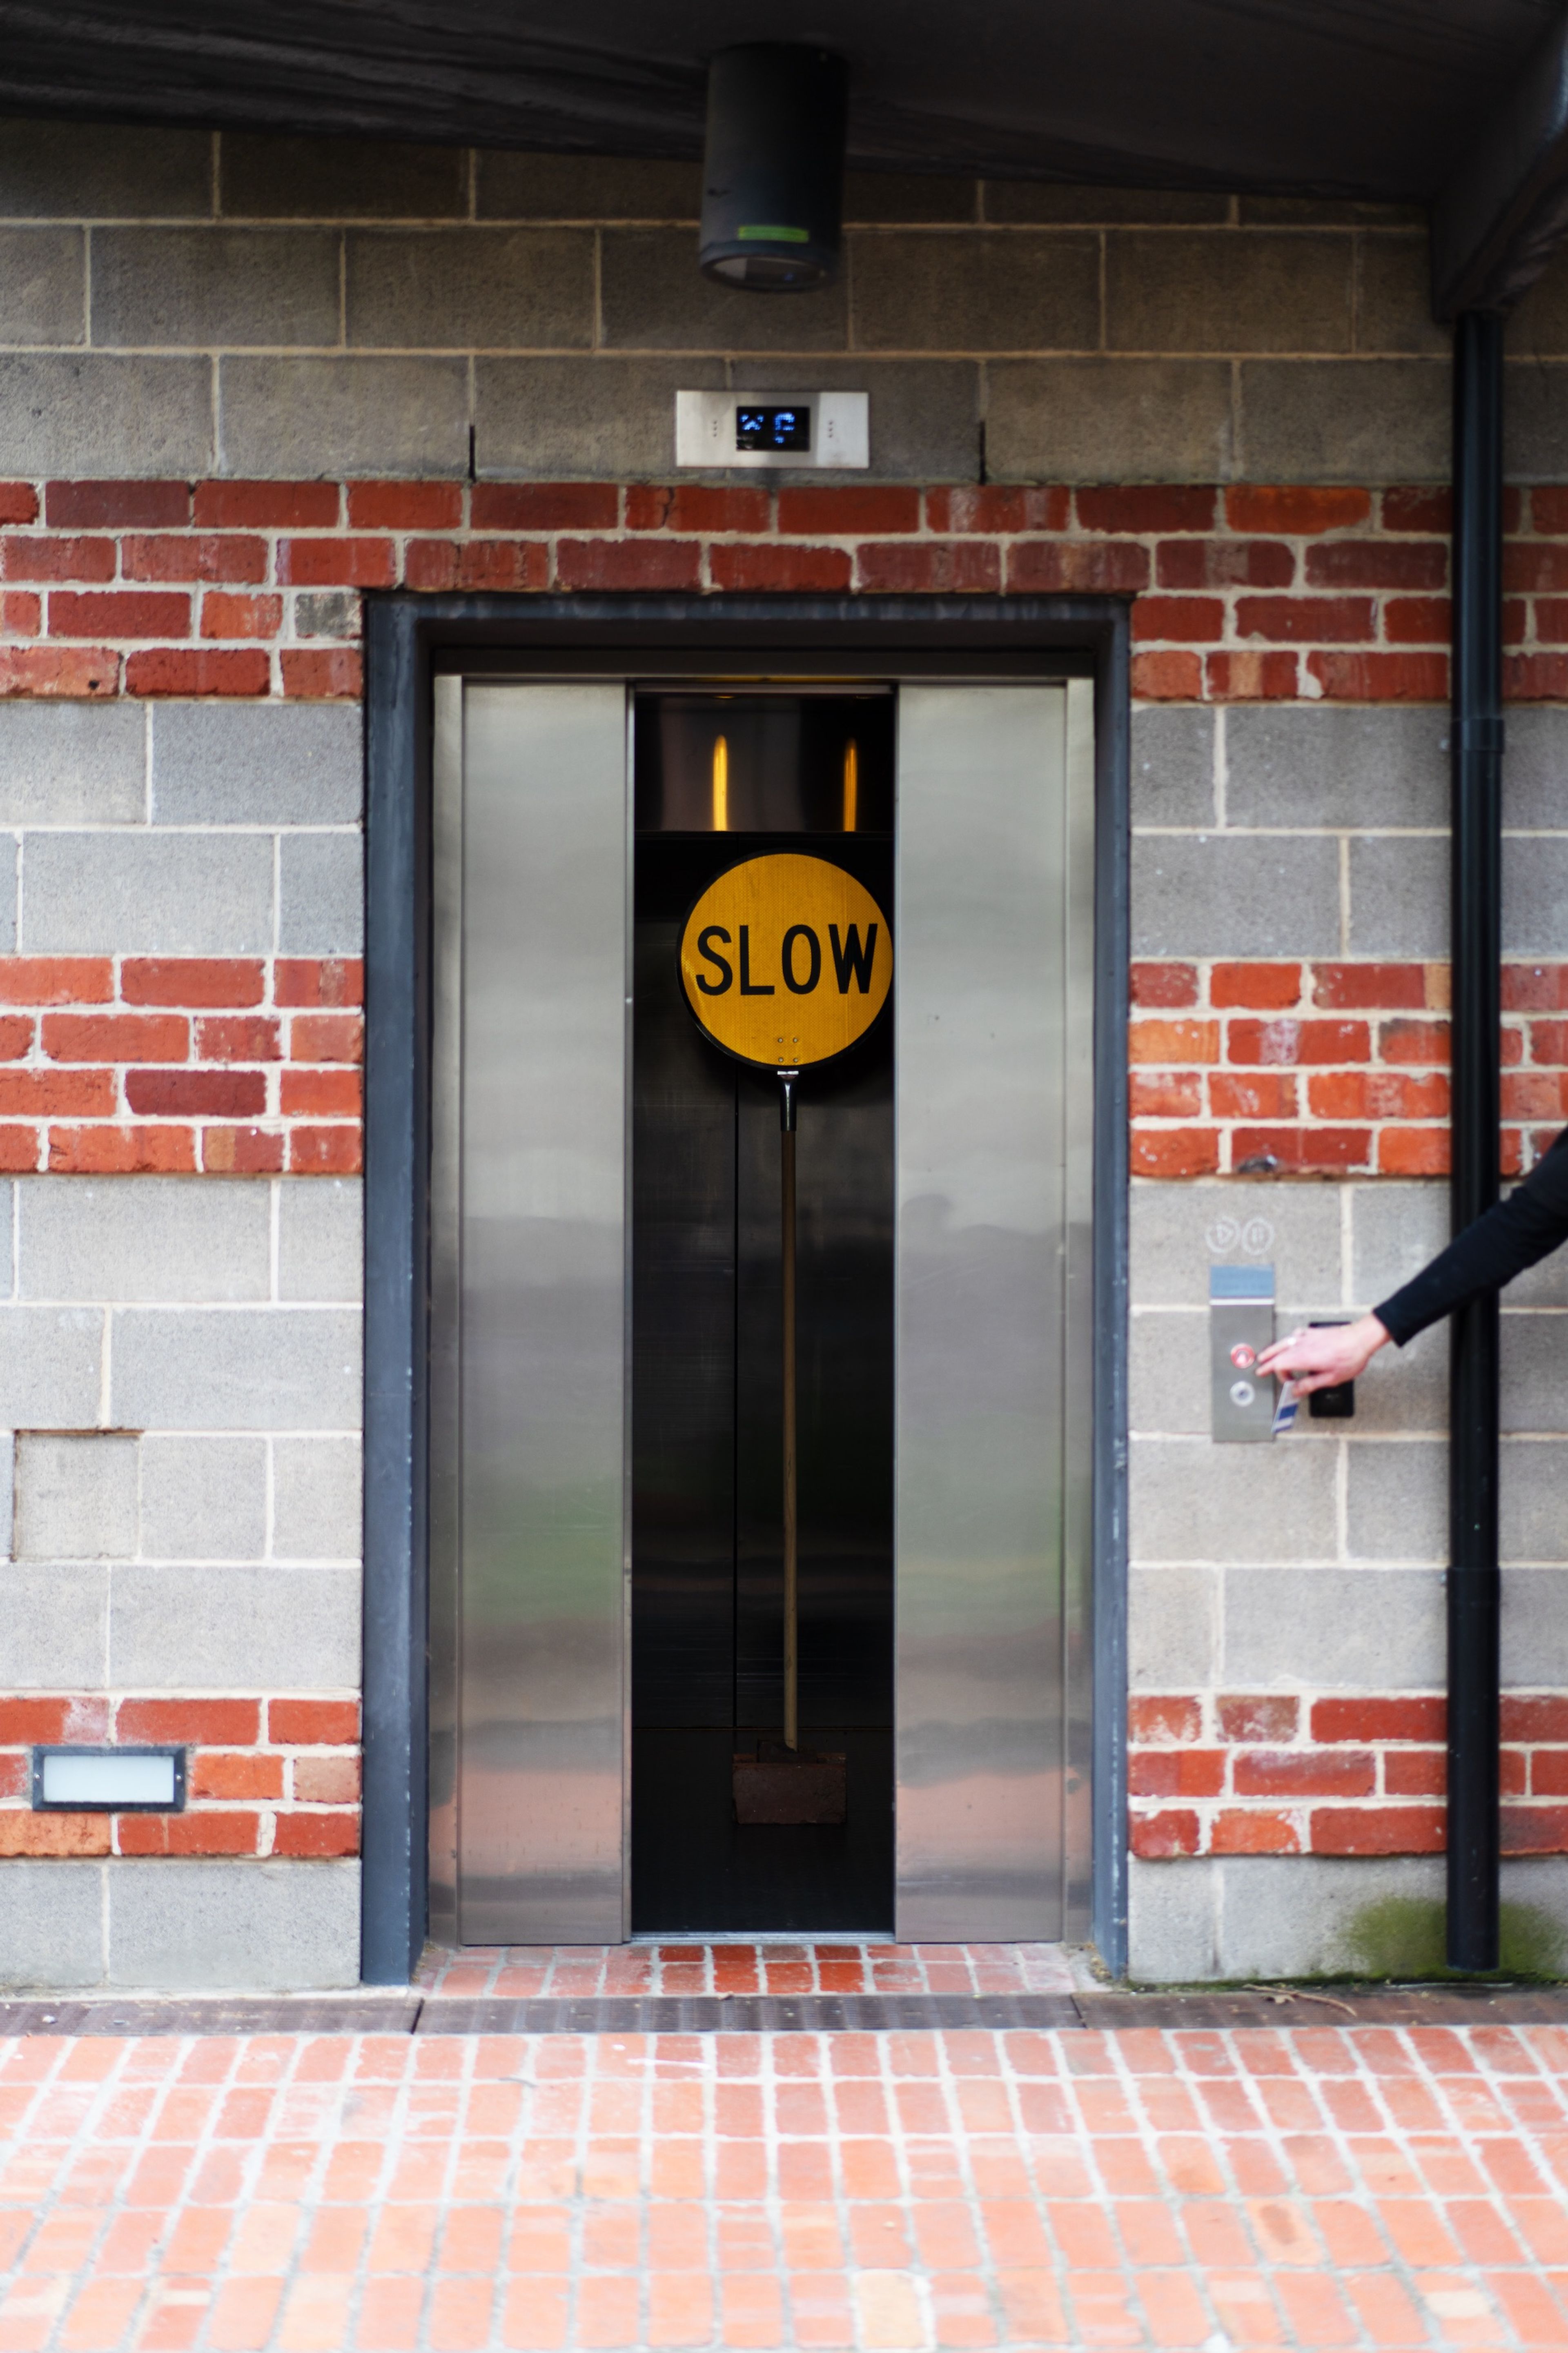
<point>1513,1235</point>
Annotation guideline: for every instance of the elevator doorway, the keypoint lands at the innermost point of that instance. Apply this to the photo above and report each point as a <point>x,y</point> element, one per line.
<point>605,1375</point>
<point>719,777</point>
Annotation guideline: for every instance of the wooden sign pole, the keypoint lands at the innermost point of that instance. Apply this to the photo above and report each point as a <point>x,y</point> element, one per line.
<point>786,955</point>
<point>791,1519</point>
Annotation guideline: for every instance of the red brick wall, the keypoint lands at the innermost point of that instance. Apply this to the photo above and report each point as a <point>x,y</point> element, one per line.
<point>1282,1774</point>
<point>1297,1069</point>
<point>278,1776</point>
<point>146,589</point>
<point>166,588</point>
<point>231,1065</point>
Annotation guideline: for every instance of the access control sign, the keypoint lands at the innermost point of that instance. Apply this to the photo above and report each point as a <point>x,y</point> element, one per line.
<point>786,960</point>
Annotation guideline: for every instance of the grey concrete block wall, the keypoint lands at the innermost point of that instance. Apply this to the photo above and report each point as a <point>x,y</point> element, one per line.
<point>235,1369</point>
<point>180,1357</point>
<point>1173,764</point>
<point>1318,1564</point>
<point>357,414</point>
<point>320,1239</point>
<point>1251,1917</point>
<point>1282,831</point>
<point>181,828</point>
<point>467,290</point>
<point>203,1498</point>
<point>1174,1627</point>
<point>51,1366</point>
<point>164,1239</point>
<point>248,764</point>
<point>296,306</point>
<point>265,178</point>
<point>76,1497</point>
<point>1243,894</point>
<point>1315,1563</point>
<point>106,412</point>
<point>196,286</point>
<point>156,1559</point>
<point>1319,1628</point>
<point>185,1387</point>
<point>54,1633</point>
<point>317,1483</point>
<point>1024,291</point>
<point>1350,766</point>
<point>181,1628</point>
<point>568,417</point>
<point>321,894</point>
<point>1123,420</point>
<point>248,1926</point>
<point>1288,829</point>
<point>1268,290</point>
<point>273,1925</point>
<point>106,172</point>
<point>143,893</point>
<point>72,763</point>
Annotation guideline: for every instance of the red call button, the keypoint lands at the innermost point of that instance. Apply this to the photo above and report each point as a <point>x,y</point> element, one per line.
<point>1242,1357</point>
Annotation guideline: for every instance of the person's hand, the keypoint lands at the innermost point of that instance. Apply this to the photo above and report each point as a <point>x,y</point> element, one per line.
<point>1321,1356</point>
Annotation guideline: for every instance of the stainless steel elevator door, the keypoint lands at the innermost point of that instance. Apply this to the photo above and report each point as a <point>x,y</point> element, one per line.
<point>992,1119</point>
<point>530,1520</point>
<point>541,1601</point>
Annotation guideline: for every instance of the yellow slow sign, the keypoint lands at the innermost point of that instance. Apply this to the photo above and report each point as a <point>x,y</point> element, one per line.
<point>786,960</point>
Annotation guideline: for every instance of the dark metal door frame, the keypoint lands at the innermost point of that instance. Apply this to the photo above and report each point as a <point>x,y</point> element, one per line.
<point>407,639</point>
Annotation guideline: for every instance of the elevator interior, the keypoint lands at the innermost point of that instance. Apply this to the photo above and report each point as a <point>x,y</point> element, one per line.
<point>721,776</point>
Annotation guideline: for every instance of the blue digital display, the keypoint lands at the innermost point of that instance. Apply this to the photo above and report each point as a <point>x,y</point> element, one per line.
<point>773,428</point>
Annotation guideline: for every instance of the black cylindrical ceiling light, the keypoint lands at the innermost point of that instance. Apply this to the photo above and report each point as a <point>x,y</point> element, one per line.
<point>773,167</point>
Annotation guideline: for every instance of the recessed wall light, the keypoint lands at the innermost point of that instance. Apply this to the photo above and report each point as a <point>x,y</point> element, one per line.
<point>109,1781</point>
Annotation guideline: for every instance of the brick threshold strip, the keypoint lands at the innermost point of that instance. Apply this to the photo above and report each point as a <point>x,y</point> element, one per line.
<point>1475,2005</point>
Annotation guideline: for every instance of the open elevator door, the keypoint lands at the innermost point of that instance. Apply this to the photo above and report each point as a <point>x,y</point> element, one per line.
<point>983,1299</point>
<point>723,779</point>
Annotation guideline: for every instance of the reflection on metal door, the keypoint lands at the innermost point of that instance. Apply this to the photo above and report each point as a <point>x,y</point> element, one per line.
<point>991,1369</point>
<point>529,1512</point>
<point>529,1804</point>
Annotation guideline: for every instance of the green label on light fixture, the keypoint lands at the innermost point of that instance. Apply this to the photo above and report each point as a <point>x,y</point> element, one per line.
<point>776,236</point>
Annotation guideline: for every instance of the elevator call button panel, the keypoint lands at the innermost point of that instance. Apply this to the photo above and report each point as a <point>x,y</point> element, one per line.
<point>786,960</point>
<point>1241,1326</point>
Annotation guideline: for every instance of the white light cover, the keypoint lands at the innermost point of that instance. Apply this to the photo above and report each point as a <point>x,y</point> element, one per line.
<point>108,1779</point>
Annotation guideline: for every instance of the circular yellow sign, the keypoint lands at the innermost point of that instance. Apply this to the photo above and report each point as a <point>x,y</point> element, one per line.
<point>786,960</point>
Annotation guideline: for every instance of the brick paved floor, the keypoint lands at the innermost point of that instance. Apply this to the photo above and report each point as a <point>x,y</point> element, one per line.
<point>1313,2186</point>
<point>777,1969</point>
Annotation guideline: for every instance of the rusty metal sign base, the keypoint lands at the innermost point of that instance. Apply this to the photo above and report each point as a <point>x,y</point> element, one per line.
<point>774,1784</point>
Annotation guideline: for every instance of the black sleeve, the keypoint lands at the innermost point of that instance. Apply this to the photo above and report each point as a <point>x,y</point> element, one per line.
<point>1531,1222</point>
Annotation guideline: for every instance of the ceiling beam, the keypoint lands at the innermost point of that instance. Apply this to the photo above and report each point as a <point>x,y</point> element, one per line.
<point>1504,212</point>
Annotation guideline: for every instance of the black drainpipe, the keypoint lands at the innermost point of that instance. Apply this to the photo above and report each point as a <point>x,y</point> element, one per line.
<point>1476,740</point>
